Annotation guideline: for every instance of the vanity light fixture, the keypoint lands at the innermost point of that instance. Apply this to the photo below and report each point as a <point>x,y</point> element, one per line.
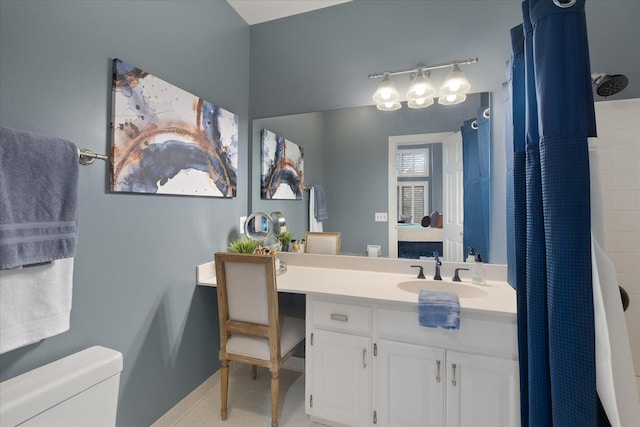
<point>452,99</point>
<point>386,95</point>
<point>421,92</point>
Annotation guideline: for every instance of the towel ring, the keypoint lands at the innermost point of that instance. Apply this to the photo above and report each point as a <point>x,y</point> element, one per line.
<point>486,113</point>
<point>564,5</point>
<point>474,124</point>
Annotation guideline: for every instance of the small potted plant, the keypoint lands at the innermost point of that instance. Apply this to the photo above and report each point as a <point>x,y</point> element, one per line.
<point>243,246</point>
<point>285,239</point>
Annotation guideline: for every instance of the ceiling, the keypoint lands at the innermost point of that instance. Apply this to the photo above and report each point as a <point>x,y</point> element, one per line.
<point>257,11</point>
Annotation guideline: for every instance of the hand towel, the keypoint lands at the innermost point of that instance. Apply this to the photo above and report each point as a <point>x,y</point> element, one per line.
<point>314,224</point>
<point>438,309</point>
<point>320,205</point>
<point>35,303</point>
<point>38,198</point>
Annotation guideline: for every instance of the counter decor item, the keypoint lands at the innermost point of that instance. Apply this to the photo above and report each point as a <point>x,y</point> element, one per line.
<point>243,246</point>
<point>285,239</point>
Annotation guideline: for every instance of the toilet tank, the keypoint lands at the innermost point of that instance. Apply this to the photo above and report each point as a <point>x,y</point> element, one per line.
<point>76,391</point>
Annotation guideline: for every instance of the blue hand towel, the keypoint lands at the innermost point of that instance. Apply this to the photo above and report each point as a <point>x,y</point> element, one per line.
<point>38,198</point>
<point>438,308</point>
<point>320,205</point>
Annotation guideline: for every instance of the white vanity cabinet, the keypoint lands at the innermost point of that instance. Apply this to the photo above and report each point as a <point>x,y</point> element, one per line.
<point>338,361</point>
<point>410,385</point>
<point>371,363</point>
<point>481,391</point>
<point>342,378</point>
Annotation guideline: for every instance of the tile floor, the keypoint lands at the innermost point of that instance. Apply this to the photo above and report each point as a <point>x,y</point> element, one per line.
<point>250,401</point>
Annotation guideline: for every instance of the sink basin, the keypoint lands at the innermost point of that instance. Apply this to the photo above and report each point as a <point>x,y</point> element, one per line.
<point>463,291</point>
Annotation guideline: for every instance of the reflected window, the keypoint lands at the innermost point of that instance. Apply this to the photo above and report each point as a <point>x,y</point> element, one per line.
<point>412,162</point>
<point>413,173</point>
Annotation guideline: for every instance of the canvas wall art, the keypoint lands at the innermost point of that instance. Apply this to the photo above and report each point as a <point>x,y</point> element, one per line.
<point>168,141</point>
<point>282,168</point>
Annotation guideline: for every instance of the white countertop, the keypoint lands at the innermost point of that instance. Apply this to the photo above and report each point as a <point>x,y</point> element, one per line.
<point>376,279</point>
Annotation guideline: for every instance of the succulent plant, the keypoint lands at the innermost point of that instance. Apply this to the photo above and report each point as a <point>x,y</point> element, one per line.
<point>243,246</point>
<point>285,238</point>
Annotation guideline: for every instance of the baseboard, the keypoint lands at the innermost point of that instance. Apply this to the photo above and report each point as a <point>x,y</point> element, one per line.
<point>179,410</point>
<point>173,415</point>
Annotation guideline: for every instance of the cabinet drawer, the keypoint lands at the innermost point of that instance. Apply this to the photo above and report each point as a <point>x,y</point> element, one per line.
<point>494,338</point>
<point>345,317</point>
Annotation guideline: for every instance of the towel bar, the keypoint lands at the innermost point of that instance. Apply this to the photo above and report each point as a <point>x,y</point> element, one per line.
<point>87,156</point>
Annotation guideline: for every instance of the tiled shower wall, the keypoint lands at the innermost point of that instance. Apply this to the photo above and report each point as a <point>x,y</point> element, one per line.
<point>619,146</point>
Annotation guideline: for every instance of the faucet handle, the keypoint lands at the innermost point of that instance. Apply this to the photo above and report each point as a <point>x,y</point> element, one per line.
<point>456,276</point>
<point>421,273</point>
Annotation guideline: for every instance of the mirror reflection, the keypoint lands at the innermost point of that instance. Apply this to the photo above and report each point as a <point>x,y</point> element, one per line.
<point>349,152</point>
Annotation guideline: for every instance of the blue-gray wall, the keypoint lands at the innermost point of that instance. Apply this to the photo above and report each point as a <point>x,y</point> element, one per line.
<point>320,60</point>
<point>134,279</point>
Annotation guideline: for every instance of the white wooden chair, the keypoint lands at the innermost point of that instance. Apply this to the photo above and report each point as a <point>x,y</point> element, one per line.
<point>317,242</point>
<point>252,330</point>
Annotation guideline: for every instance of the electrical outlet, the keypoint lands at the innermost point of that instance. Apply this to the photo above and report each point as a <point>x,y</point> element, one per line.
<point>381,217</point>
<point>243,219</point>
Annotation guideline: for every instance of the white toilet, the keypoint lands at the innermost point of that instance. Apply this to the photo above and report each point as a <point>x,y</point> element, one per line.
<point>76,391</point>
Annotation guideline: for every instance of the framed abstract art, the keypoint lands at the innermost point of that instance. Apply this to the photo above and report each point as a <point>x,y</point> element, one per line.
<point>282,168</point>
<point>168,141</point>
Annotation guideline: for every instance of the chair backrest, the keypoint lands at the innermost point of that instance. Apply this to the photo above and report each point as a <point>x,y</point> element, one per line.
<point>327,242</point>
<point>247,297</point>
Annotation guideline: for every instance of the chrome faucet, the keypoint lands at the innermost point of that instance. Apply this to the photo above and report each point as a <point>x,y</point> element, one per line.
<point>437,276</point>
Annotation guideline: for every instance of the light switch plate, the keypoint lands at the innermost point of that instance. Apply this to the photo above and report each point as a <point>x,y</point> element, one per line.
<point>381,217</point>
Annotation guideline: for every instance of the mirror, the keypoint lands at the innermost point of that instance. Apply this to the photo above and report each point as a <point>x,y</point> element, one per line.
<point>347,152</point>
<point>265,229</point>
<point>258,226</point>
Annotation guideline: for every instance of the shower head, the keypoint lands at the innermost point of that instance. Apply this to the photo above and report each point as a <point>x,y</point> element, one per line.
<point>607,85</point>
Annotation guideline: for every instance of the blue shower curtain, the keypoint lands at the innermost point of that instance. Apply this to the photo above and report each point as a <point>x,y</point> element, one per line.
<point>476,141</point>
<point>551,104</point>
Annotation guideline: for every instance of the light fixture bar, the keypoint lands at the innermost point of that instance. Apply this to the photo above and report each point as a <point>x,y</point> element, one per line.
<point>425,68</point>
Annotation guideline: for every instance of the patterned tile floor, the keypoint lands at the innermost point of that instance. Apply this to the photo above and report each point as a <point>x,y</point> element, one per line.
<point>250,402</point>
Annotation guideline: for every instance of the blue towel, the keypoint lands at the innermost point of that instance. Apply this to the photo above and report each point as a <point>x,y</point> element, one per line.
<point>438,308</point>
<point>320,204</point>
<point>38,198</point>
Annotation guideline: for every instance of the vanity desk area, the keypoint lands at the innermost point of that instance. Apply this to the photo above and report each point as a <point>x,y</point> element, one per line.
<point>369,362</point>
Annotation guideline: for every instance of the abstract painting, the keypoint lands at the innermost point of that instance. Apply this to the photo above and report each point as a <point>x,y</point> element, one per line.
<point>168,141</point>
<point>282,168</point>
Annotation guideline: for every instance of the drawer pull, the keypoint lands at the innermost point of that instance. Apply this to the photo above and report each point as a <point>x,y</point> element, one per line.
<point>364,358</point>
<point>339,317</point>
<point>438,375</point>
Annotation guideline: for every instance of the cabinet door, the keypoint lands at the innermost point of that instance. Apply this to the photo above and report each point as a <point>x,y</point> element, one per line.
<point>341,378</point>
<point>410,388</point>
<point>481,391</point>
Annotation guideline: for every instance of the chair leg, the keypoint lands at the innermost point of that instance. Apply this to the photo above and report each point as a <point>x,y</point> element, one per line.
<point>224,388</point>
<point>275,391</point>
<point>254,372</point>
